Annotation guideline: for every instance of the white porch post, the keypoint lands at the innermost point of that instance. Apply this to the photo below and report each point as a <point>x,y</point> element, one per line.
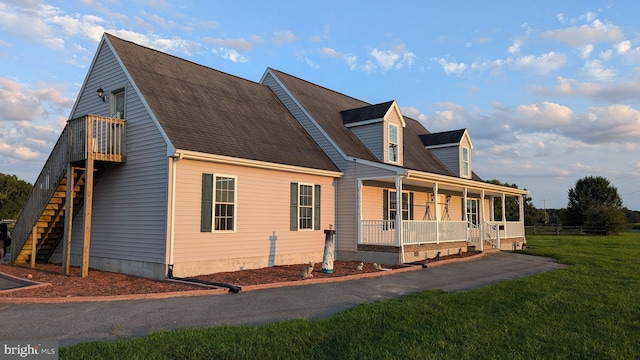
<point>482,212</point>
<point>399,207</point>
<point>504,213</point>
<point>464,204</point>
<point>358,211</point>
<point>436,213</point>
<point>521,208</point>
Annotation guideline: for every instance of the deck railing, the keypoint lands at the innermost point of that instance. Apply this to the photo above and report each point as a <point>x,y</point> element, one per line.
<point>383,232</point>
<point>104,137</point>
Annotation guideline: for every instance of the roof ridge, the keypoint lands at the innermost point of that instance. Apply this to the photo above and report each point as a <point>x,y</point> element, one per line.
<point>111,36</point>
<point>323,87</point>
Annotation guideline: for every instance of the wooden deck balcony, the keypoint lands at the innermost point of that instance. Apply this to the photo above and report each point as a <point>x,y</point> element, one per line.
<point>85,141</point>
<point>96,137</point>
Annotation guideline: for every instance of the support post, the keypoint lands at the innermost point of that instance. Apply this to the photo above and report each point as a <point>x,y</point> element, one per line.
<point>88,208</point>
<point>34,245</point>
<point>68,219</point>
<point>436,213</point>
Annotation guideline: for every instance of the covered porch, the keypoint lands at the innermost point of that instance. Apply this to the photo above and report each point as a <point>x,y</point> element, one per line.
<point>435,213</point>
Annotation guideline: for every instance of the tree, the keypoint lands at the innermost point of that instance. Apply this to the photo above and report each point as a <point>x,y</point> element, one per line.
<point>532,215</point>
<point>13,195</point>
<point>591,196</point>
<point>612,219</point>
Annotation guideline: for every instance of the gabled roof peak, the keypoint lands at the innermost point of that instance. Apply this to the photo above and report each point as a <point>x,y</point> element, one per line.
<point>365,113</point>
<point>450,137</point>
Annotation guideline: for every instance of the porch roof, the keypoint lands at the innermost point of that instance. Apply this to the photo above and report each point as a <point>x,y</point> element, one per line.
<point>451,183</point>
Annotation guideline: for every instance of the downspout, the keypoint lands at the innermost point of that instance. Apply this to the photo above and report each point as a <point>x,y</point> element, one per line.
<point>172,220</point>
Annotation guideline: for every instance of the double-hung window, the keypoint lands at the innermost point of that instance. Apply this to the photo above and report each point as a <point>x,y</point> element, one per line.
<point>305,206</point>
<point>472,211</point>
<point>465,162</point>
<point>218,203</point>
<point>390,204</point>
<point>393,143</point>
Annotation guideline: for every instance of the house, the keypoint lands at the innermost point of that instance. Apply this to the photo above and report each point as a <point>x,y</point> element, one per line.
<point>171,168</point>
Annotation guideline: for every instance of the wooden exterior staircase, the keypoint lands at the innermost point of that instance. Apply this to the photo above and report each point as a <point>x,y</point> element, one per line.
<point>83,152</point>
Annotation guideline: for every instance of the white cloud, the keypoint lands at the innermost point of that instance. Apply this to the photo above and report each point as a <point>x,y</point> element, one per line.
<point>586,51</point>
<point>515,46</point>
<point>231,55</point>
<point>545,115</point>
<point>384,60</point>
<point>543,64</point>
<point>595,69</point>
<point>330,52</point>
<point>611,124</point>
<point>240,45</point>
<point>579,36</point>
<point>395,58</point>
<point>452,67</point>
<point>623,46</point>
<point>350,59</point>
<point>608,92</point>
<point>281,37</point>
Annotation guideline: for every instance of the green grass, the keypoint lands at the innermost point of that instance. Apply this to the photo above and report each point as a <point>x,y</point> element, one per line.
<point>589,310</point>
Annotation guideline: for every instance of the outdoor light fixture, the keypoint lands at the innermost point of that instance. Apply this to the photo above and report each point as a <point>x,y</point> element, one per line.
<point>101,93</point>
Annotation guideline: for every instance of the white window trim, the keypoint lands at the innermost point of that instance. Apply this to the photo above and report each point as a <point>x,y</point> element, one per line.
<point>469,210</point>
<point>467,162</point>
<point>390,143</point>
<point>235,204</point>
<point>403,203</point>
<point>112,100</point>
<point>313,204</point>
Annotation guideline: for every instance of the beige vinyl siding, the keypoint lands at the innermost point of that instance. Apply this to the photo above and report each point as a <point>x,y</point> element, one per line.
<point>372,135</point>
<point>130,200</point>
<point>392,117</point>
<point>263,201</point>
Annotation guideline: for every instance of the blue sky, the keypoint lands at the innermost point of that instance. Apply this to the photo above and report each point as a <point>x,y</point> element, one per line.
<point>549,90</point>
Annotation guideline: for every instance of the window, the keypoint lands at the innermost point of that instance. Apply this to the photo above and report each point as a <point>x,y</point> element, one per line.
<point>393,143</point>
<point>390,204</point>
<point>305,207</point>
<point>117,104</point>
<point>218,203</point>
<point>465,162</point>
<point>472,211</point>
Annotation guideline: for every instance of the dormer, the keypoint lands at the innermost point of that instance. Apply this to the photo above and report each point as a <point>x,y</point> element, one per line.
<point>453,148</point>
<point>379,127</point>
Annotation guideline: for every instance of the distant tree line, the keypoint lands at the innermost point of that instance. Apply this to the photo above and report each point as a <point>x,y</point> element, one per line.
<point>593,202</point>
<point>13,195</point>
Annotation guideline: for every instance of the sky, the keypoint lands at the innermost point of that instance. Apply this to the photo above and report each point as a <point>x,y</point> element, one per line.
<point>548,90</point>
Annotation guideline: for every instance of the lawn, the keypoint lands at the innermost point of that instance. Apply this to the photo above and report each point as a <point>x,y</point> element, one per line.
<point>589,310</point>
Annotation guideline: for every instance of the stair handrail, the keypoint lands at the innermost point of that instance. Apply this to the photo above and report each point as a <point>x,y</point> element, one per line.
<point>41,192</point>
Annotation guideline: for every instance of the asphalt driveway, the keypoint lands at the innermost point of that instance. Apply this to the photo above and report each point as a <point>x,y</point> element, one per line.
<point>70,323</point>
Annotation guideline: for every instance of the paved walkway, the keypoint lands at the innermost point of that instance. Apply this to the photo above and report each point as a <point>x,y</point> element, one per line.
<point>70,323</point>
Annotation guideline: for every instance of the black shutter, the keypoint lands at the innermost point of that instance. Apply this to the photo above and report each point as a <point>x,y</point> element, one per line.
<point>385,204</point>
<point>206,212</point>
<point>316,207</point>
<point>411,206</point>
<point>293,213</point>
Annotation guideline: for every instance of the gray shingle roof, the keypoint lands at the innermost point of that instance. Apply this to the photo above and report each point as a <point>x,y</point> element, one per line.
<point>202,109</point>
<point>326,105</point>
<point>442,138</point>
<point>365,113</point>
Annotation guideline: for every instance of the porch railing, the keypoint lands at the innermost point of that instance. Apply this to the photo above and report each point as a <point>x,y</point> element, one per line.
<point>104,137</point>
<point>383,232</point>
